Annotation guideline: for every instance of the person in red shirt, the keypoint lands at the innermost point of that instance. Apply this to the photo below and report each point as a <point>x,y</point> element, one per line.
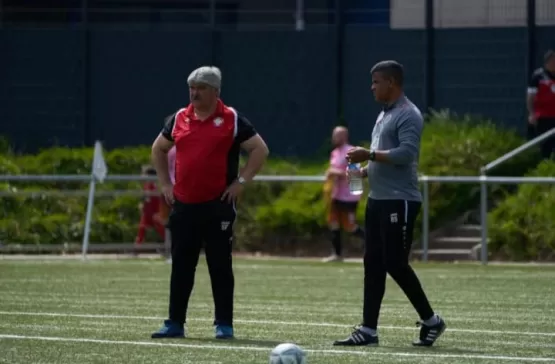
<point>541,102</point>
<point>150,209</point>
<point>208,136</point>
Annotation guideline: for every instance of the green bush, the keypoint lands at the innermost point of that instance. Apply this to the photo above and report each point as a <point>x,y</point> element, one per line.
<point>5,145</point>
<point>522,227</point>
<point>7,165</point>
<point>268,212</point>
<point>460,146</point>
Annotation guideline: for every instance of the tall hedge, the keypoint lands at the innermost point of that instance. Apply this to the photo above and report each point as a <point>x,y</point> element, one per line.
<point>270,214</point>
<point>522,227</point>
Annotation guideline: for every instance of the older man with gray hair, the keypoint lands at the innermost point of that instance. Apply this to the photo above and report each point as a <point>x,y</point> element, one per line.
<point>207,136</point>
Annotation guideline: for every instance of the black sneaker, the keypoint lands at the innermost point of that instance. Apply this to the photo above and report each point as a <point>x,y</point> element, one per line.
<point>429,334</point>
<point>358,338</point>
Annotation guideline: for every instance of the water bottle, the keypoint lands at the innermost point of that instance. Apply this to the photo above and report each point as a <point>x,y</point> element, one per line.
<point>355,182</point>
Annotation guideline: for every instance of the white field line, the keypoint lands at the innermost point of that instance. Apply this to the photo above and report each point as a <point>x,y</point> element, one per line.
<point>262,322</point>
<point>116,297</point>
<point>100,327</point>
<point>20,300</point>
<point>353,315</point>
<point>90,300</point>
<point>267,349</point>
<point>309,312</point>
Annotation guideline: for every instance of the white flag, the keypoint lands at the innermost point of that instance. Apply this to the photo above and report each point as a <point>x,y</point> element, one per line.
<point>99,164</point>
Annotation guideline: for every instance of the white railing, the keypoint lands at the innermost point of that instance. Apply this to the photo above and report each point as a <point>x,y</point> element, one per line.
<point>483,181</point>
<point>425,181</point>
<point>513,153</point>
<point>483,188</point>
<point>99,175</point>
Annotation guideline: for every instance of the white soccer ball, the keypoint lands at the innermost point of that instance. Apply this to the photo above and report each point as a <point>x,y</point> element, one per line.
<point>287,354</point>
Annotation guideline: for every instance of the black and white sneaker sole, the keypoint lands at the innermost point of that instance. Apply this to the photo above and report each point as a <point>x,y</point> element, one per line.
<point>358,340</point>
<point>433,337</point>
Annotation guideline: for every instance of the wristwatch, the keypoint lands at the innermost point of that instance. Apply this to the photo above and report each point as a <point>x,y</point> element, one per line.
<point>241,180</point>
<point>372,156</point>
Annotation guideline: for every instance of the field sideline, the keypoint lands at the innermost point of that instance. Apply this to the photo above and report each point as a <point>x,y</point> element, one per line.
<point>64,311</point>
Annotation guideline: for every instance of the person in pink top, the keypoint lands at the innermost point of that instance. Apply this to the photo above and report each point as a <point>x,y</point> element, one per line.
<point>343,205</point>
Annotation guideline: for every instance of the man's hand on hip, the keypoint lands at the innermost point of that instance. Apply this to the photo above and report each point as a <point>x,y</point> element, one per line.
<point>233,191</point>
<point>167,191</point>
<point>358,155</point>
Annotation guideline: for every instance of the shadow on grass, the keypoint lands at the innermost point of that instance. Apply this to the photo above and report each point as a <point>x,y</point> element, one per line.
<point>435,350</point>
<point>238,342</point>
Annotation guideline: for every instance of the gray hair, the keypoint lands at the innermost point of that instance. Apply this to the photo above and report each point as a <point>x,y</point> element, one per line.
<point>209,75</point>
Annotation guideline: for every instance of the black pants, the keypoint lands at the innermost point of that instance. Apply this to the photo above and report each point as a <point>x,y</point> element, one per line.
<point>547,148</point>
<point>191,225</point>
<point>342,215</point>
<point>389,232</point>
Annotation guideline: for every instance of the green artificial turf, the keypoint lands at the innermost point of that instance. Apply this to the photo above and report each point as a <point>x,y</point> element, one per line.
<point>104,312</point>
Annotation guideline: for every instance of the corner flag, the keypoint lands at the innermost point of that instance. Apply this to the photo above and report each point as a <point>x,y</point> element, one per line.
<point>99,169</point>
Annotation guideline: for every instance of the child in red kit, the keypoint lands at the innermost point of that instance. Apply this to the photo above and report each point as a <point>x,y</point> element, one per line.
<point>150,209</point>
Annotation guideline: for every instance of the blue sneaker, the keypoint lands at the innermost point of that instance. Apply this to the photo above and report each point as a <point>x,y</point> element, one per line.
<point>169,330</point>
<point>224,332</point>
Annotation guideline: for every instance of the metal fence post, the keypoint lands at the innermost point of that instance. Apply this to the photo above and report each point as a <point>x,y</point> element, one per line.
<point>215,35</point>
<point>429,66</point>
<point>484,217</point>
<point>531,35</point>
<point>339,61</point>
<point>86,73</point>
<point>99,172</point>
<point>88,217</point>
<point>299,15</point>
<point>425,217</point>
